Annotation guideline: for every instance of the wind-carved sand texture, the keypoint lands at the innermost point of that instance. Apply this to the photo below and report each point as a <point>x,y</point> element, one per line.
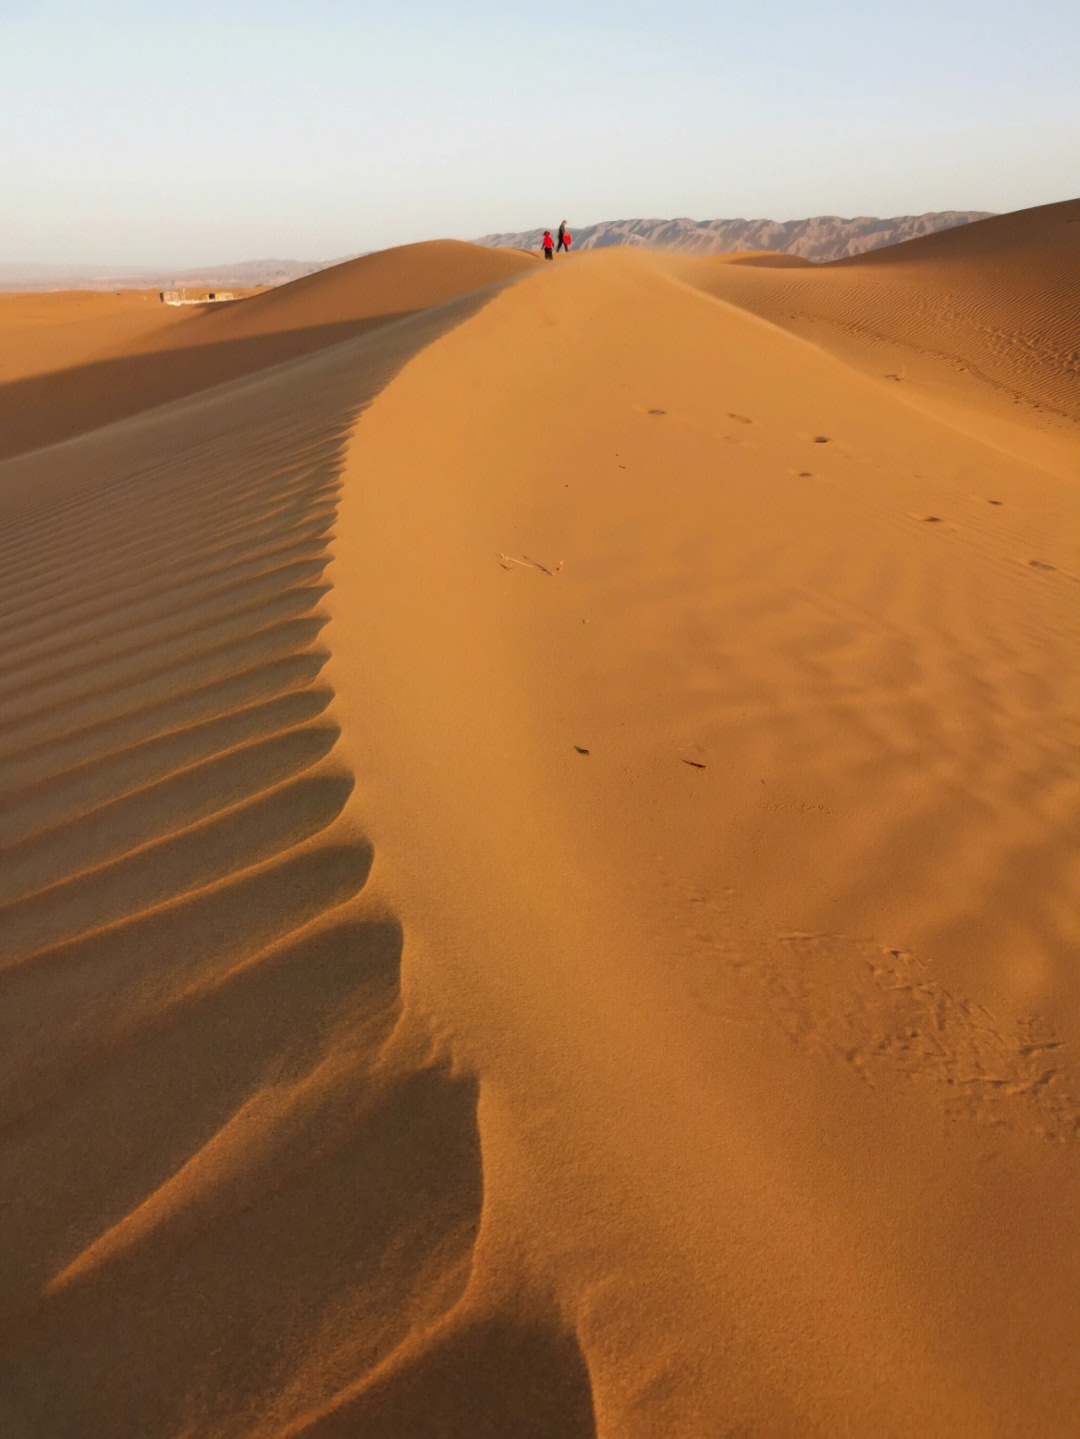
<point>881,1011</point>
<point>539,820</point>
<point>204,1111</point>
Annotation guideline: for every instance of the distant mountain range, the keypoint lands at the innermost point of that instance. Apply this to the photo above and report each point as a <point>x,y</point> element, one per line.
<point>825,237</point>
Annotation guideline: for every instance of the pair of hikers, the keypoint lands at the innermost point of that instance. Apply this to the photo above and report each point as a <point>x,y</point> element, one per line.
<point>564,241</point>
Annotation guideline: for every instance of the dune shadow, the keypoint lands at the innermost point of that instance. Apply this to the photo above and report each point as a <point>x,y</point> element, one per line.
<point>45,409</point>
<point>196,1065</point>
<point>168,724</point>
<point>195,857</point>
<point>41,410</point>
<point>309,1261</point>
<point>488,1380</point>
<point>188,796</point>
<point>65,1007</point>
<point>220,1198</point>
<point>106,779</point>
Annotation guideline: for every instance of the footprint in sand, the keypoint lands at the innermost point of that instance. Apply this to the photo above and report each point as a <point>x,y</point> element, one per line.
<point>742,419</point>
<point>882,1011</point>
<point>1042,565</point>
<point>658,412</point>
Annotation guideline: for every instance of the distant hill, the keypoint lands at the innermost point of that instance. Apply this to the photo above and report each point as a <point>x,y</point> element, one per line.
<point>825,237</point>
<point>247,275</point>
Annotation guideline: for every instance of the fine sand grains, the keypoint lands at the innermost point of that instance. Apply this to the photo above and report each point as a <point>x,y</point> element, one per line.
<point>730,808</point>
<point>538,831</point>
<point>232,1184</point>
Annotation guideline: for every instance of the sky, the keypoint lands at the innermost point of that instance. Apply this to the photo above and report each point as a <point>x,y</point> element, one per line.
<point>196,133</point>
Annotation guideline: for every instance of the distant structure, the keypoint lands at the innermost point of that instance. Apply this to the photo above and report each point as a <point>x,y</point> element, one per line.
<point>189,297</point>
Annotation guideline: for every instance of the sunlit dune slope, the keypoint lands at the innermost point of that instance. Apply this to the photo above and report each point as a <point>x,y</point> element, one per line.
<point>538,889</point>
<point>110,357</point>
<point>713,722</point>
<point>977,322</point>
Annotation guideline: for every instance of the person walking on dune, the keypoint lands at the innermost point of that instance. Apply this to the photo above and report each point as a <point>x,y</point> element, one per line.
<point>546,242</point>
<point>564,239</point>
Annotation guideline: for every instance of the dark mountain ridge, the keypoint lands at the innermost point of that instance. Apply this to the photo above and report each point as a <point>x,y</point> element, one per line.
<point>821,238</point>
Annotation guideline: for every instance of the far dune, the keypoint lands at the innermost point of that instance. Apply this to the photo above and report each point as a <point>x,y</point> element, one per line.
<point>139,353</point>
<point>770,259</point>
<point>978,323</point>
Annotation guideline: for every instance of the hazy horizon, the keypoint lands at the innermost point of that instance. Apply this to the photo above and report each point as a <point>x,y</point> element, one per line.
<point>312,133</point>
<point>34,272</point>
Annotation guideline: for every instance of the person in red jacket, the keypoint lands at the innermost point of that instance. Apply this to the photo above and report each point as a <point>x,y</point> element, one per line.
<point>547,243</point>
<point>564,239</point>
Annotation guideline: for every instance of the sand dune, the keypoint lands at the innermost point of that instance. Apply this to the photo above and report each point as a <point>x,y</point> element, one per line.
<point>66,383</point>
<point>538,831</point>
<point>977,325</point>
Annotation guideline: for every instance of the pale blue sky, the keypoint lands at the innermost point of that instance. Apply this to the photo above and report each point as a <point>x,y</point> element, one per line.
<point>175,134</point>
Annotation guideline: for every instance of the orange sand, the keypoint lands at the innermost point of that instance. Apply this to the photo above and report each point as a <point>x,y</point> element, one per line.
<point>539,827</point>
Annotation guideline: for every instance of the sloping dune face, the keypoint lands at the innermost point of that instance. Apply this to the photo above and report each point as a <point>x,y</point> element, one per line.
<point>717,712</point>
<point>538,866</point>
<point>235,1179</point>
<point>976,324</point>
